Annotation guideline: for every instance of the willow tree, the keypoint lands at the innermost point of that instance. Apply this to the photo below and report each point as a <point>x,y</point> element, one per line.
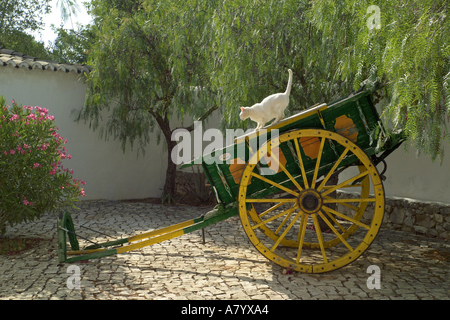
<point>257,42</point>
<point>405,47</point>
<point>335,47</point>
<point>148,68</point>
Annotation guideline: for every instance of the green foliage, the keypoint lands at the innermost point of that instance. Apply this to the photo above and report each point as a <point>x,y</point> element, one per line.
<point>257,41</point>
<point>22,15</point>
<point>25,43</point>
<point>17,19</point>
<point>20,18</point>
<point>32,178</point>
<point>332,52</point>
<point>72,46</point>
<point>149,67</point>
<point>147,64</point>
<point>409,55</point>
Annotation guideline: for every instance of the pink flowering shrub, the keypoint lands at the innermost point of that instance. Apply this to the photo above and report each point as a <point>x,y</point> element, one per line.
<point>32,177</point>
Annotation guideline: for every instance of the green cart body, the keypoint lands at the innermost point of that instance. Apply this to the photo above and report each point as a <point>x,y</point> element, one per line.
<point>354,116</point>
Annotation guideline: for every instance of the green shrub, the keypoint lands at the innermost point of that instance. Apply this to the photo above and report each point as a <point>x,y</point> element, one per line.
<point>32,177</point>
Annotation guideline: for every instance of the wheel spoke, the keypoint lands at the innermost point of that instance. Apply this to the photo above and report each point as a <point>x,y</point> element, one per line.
<point>285,231</point>
<point>350,206</point>
<point>327,177</point>
<point>279,186</point>
<point>302,167</point>
<point>332,200</point>
<point>283,222</point>
<point>281,200</point>
<point>287,172</point>
<point>335,231</point>
<point>270,209</point>
<point>335,221</point>
<point>275,217</point>
<point>346,182</point>
<point>319,157</point>
<point>343,216</point>
<point>319,237</point>
<point>301,235</point>
<point>356,185</point>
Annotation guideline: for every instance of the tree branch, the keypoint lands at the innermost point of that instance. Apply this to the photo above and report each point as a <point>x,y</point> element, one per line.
<point>203,117</point>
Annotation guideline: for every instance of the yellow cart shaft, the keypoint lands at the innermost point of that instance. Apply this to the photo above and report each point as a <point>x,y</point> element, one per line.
<point>65,226</point>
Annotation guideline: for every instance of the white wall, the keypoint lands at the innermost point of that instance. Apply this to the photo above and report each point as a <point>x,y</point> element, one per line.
<point>409,176</point>
<point>109,174</point>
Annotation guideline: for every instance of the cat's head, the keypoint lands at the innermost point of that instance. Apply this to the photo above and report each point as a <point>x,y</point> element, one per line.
<point>244,113</point>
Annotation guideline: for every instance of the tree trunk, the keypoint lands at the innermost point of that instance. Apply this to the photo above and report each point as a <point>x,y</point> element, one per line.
<point>171,173</point>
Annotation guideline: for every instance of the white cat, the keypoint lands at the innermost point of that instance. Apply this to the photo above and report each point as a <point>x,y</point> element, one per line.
<point>271,107</point>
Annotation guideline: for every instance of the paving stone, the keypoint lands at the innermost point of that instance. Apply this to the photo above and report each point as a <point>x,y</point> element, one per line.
<point>225,267</point>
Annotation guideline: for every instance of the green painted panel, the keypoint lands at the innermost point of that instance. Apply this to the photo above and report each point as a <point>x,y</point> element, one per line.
<point>353,116</point>
<point>223,167</point>
<point>356,118</point>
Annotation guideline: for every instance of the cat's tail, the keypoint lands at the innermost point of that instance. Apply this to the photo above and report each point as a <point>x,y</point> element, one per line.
<point>288,89</point>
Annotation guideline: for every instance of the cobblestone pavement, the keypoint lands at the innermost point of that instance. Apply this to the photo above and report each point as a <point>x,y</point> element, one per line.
<point>225,267</point>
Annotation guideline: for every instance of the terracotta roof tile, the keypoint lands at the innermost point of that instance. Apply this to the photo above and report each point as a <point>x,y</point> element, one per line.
<point>20,60</point>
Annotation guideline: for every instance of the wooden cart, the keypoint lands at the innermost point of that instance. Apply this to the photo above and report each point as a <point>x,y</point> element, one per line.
<point>306,189</point>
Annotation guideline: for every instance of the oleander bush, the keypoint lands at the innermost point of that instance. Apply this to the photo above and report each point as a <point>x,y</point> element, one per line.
<point>33,179</point>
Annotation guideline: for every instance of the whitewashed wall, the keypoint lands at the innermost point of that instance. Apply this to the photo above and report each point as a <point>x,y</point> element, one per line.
<point>110,174</point>
<point>409,176</point>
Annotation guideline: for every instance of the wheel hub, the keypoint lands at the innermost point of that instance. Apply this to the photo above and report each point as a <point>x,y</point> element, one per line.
<point>310,201</point>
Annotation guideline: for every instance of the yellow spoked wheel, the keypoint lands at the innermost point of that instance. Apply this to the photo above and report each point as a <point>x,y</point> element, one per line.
<point>287,224</point>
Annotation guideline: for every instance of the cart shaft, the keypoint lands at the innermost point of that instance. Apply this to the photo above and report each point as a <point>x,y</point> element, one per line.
<point>219,213</point>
